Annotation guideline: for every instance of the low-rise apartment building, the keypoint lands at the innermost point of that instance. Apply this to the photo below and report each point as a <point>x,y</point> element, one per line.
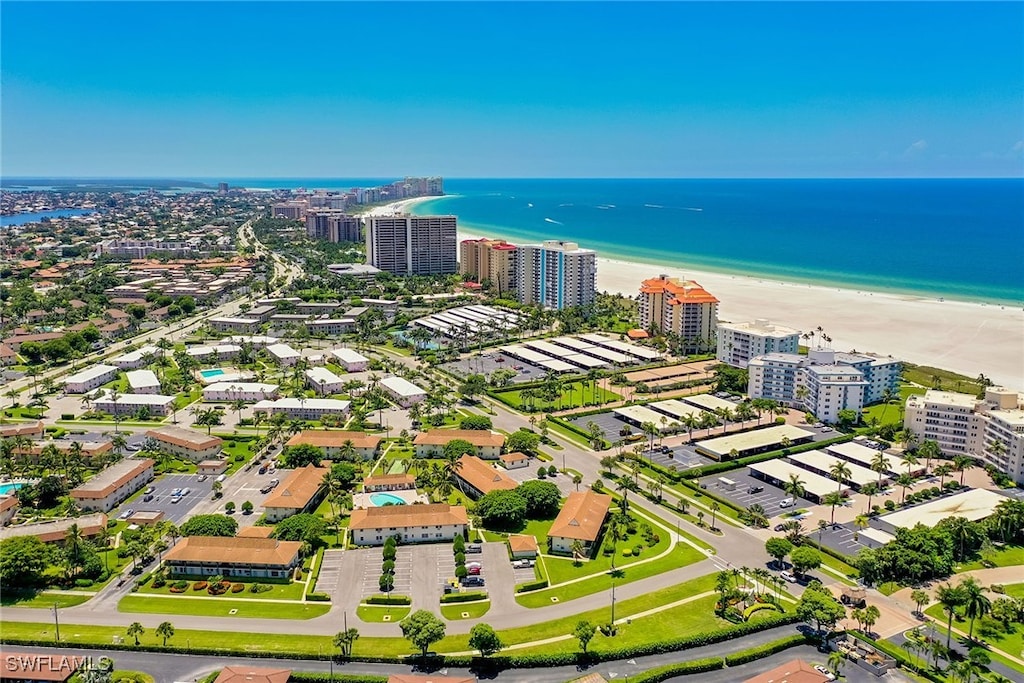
<point>303,408</point>
<point>323,381</point>
<point>239,391</point>
<point>580,519</point>
<point>336,444</point>
<point>301,491</point>
<point>187,443</point>
<point>402,391</point>
<point>408,523</point>
<point>131,404</point>
<point>112,486</point>
<point>284,355</point>
<point>389,482</point>
<point>91,378</point>
<point>477,478</point>
<point>431,444</point>
<point>739,342</point>
<point>56,530</point>
<point>246,557</point>
<point>142,382</point>
<point>137,358</point>
<point>351,360</point>
<point>237,324</point>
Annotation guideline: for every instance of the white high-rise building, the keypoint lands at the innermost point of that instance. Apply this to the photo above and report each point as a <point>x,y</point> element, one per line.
<point>823,382</point>
<point>990,429</point>
<point>739,342</point>
<point>412,245</point>
<point>556,274</point>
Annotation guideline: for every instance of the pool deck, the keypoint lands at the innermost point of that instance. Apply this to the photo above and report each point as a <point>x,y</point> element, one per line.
<point>362,500</point>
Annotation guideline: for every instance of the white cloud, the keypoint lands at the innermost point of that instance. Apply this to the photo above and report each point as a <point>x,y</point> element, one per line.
<point>916,148</point>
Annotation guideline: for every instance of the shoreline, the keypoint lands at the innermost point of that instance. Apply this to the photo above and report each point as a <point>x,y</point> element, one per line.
<point>965,337</point>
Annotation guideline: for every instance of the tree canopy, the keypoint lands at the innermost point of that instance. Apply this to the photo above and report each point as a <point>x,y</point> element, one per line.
<point>477,422</point>
<point>209,525</point>
<point>483,638</point>
<point>542,498</point>
<point>458,447</point>
<point>523,441</point>
<point>23,559</point>
<point>422,629</point>
<point>502,509</point>
<point>302,455</point>
<point>305,527</point>
<point>818,607</point>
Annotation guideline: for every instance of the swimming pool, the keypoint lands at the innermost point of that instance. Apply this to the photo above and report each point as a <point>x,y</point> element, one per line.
<point>215,372</point>
<point>8,489</point>
<point>382,499</point>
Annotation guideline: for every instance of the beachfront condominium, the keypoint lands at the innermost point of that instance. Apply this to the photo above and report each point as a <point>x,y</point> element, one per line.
<point>990,429</point>
<point>487,260</point>
<point>739,342</point>
<point>824,382</point>
<point>412,245</point>
<point>679,307</point>
<point>555,274</point>
<point>333,226</point>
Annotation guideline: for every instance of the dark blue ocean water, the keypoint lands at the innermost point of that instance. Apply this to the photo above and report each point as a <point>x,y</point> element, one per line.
<point>23,218</point>
<point>953,238</point>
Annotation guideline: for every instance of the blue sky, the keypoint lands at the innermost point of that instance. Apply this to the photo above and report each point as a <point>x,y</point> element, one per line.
<point>512,90</point>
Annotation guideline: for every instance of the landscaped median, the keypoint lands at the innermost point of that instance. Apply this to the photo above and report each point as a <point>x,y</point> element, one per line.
<point>221,607</point>
<point>471,605</point>
<point>384,608</point>
<point>691,622</point>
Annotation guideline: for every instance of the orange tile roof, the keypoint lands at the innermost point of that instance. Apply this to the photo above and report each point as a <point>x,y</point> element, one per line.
<point>582,516</point>
<point>333,439</point>
<point>429,678</point>
<point>186,438</point>
<point>298,488</point>
<point>482,476</point>
<point>408,515</point>
<point>9,431</point>
<point>638,334</point>
<point>257,551</point>
<point>252,674</point>
<point>403,478</point>
<point>255,532</point>
<point>56,531</point>
<point>514,457</point>
<point>441,437</point>
<point>117,476</point>
<point>521,543</point>
<point>793,671</point>
<point>8,502</point>
<point>686,291</point>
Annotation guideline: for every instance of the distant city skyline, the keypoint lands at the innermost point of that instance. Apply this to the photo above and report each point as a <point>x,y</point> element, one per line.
<point>467,90</point>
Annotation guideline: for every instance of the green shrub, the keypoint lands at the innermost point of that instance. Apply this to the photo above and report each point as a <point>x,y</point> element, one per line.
<point>532,586</point>
<point>663,673</point>
<point>237,587</point>
<point>464,597</point>
<point>757,607</point>
<point>318,597</point>
<point>385,600</point>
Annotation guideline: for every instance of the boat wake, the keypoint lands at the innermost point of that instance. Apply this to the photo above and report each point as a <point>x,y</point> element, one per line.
<point>552,220</point>
<point>654,206</point>
<point>693,208</point>
<point>529,205</point>
<point>606,206</point>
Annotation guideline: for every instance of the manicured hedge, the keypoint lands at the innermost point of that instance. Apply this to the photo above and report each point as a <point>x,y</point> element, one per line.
<point>663,673</point>
<point>385,600</point>
<point>464,597</point>
<point>320,677</point>
<point>757,607</point>
<point>532,586</point>
<point>767,649</point>
<point>318,597</point>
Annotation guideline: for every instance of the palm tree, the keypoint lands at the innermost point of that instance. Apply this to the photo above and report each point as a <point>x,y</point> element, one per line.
<point>908,461</point>
<point>833,499</point>
<point>870,490</point>
<point>691,422</point>
<point>951,598</point>
<point>715,507</point>
<point>795,486</point>
<point>943,471</point>
<point>836,661</point>
<point>976,603</point>
<point>929,449</point>
<point>114,395</point>
<point>962,463</point>
<point>904,481</point>
<point>880,463</point>
<point>135,630</point>
<point>118,443</point>
<point>726,416</point>
<point>840,471</point>
<point>822,524</point>
<point>165,630</point>
<point>344,641</point>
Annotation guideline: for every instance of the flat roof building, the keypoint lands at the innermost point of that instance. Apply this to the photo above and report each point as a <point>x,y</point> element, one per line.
<point>754,441</point>
<point>137,358</point>
<point>143,382</point>
<point>739,342</point>
<point>91,378</point>
<point>303,408</point>
<point>402,391</point>
<point>555,274</point>
<point>351,360</point>
<point>323,381</point>
<point>822,463</point>
<point>973,505</point>
<point>778,472</point>
<point>234,391</point>
<point>412,245</point>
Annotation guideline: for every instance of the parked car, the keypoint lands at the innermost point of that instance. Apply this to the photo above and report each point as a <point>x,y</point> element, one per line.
<point>823,670</point>
<point>755,489</point>
<point>786,502</point>
<point>474,548</point>
<point>263,469</point>
<point>473,581</point>
<point>150,489</point>
<point>826,428</point>
<point>148,497</point>
<point>474,571</point>
<point>266,489</point>
<point>202,477</point>
<point>274,482</point>
<point>175,499</point>
<point>522,564</point>
<point>222,477</point>
<point>126,514</point>
<point>788,576</point>
<point>780,527</point>
<point>186,491</point>
<point>176,492</point>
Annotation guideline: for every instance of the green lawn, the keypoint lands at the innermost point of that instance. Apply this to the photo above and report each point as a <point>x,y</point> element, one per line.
<point>221,607</point>
<point>1010,556</point>
<point>41,600</point>
<point>685,617</point>
<point>887,414</point>
<point>290,591</point>
<point>1015,590</point>
<point>988,629</point>
<point>454,611</point>
<point>573,395</point>
<point>376,613</point>
<point>680,556</point>
<point>561,569</point>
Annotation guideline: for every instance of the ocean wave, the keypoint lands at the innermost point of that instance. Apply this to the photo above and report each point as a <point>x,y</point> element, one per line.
<point>565,204</point>
<point>552,220</point>
<point>606,206</point>
<point>654,206</point>
<point>693,208</point>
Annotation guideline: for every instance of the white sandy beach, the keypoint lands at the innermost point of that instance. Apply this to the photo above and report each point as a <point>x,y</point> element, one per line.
<point>969,338</point>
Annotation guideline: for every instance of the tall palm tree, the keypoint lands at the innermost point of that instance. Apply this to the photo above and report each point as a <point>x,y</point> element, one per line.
<point>833,499</point>
<point>962,463</point>
<point>976,603</point>
<point>951,598</point>
<point>880,463</point>
<point>795,486</point>
<point>691,422</point>
<point>840,471</point>
<point>904,481</point>
<point>908,460</point>
<point>943,471</point>
<point>870,490</point>
<point>929,449</point>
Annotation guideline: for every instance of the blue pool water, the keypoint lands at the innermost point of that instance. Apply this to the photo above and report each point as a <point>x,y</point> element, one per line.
<point>211,373</point>
<point>8,489</point>
<point>381,499</point>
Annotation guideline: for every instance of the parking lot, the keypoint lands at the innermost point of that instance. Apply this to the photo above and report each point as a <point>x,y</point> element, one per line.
<point>769,498</point>
<point>487,362</point>
<point>162,488</point>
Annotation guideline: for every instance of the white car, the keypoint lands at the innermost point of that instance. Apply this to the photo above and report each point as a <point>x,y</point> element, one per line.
<point>522,564</point>
<point>823,670</point>
<point>788,576</point>
<point>786,502</point>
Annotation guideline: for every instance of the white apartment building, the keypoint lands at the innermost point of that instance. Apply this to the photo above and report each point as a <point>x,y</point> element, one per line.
<point>332,327</point>
<point>402,391</point>
<point>137,358</point>
<point>229,324</point>
<point>234,391</point>
<point>143,382</point>
<point>188,443</point>
<point>284,355</point>
<point>351,360</point>
<point>555,274</point>
<point>113,485</point>
<point>412,245</point>
<point>739,342</point>
<point>91,378</point>
<point>303,408</point>
<point>129,404</point>
<point>823,382</point>
<point>410,523</point>
<point>221,352</point>
<point>323,381</point>
<point>990,429</point>
<point>680,307</point>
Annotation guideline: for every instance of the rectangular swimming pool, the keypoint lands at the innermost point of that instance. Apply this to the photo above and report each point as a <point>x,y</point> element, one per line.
<point>215,372</point>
